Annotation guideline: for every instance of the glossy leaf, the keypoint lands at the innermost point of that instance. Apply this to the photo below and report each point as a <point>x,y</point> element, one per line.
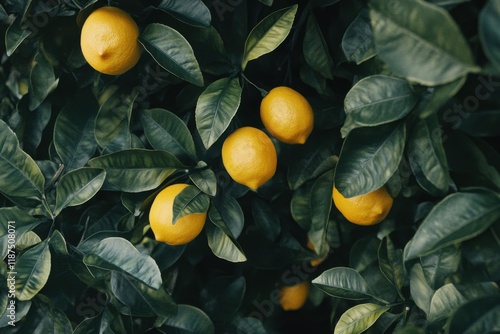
<point>318,161</point>
<point>137,170</point>
<point>165,131</point>
<point>316,50</point>
<point>15,35</point>
<point>172,52</point>
<point>408,37</point>
<point>377,100</point>
<point>223,246</point>
<point>477,316</point>
<point>216,107</point>
<point>195,12</point>
<point>321,205</point>
<point>229,211</point>
<point>368,158</point>
<point>391,264</point>
<point>459,216</point>
<point>440,265</point>
<point>42,81</point>
<point>488,34</point>
<point>120,255</point>
<point>438,96</point>
<point>359,318</point>
<point>78,186</point>
<point>300,206</point>
<point>189,319</point>
<point>23,223</point>
<point>33,269</point>
<point>268,34</point>
<point>21,177</point>
<point>357,43</point>
<point>428,158</point>
<point>204,178</point>
<point>420,290</point>
<point>190,200</point>
<point>74,139</point>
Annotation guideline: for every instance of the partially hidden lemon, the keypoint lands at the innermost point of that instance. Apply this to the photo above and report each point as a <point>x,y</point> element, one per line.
<point>160,219</point>
<point>367,209</point>
<point>319,260</point>
<point>249,157</point>
<point>293,297</point>
<point>287,115</point>
<point>109,41</point>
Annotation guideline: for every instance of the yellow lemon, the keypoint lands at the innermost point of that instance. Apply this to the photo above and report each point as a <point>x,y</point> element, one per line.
<point>249,157</point>
<point>315,262</point>
<point>294,297</point>
<point>287,115</point>
<point>160,219</point>
<point>109,41</point>
<point>367,209</point>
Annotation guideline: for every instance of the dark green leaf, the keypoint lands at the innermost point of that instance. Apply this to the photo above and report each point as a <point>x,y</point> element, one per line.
<point>420,290</point>
<point>100,324</point>
<point>440,265</point>
<point>376,100</point>
<point>428,158</point>
<point>33,269</point>
<point>22,308</point>
<point>194,12</point>
<point>221,297</point>
<point>137,170</point>
<point>321,205</point>
<point>165,131</point>
<point>457,217</point>
<point>118,254</point>
<point>77,187</point>
<point>268,34</point>
<point>483,123</point>
<point>265,219</point>
<point>74,139</point>
<point>477,316</point>
<point>229,211</point>
<point>21,177</point>
<point>316,50</point>
<point>42,81</point>
<point>204,178</point>
<point>409,38</point>
<point>223,245</point>
<point>216,107</point>
<point>35,126</point>
<point>300,206</point>
<point>318,161</point>
<point>438,96</point>
<point>488,32</point>
<point>139,299</point>
<point>190,200</point>
<point>18,219</point>
<point>369,157</point>
<point>172,52</point>
<point>391,264</point>
<point>357,42</point>
<point>15,35</point>
<point>189,319</point>
<point>359,318</point>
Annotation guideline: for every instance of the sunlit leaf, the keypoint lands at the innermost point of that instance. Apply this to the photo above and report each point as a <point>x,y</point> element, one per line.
<point>359,318</point>
<point>33,269</point>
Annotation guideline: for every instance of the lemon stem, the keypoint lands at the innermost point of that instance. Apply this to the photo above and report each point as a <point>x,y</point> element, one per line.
<point>263,92</point>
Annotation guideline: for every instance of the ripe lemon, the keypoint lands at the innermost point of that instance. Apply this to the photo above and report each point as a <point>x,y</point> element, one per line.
<point>367,209</point>
<point>249,157</point>
<point>109,41</point>
<point>287,115</point>
<point>160,219</point>
<point>294,297</point>
<point>315,262</point>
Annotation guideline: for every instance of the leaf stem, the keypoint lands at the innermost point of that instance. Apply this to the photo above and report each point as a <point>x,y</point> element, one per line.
<point>263,92</point>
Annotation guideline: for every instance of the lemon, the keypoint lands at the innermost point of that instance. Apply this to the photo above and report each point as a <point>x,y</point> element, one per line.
<point>294,297</point>
<point>249,157</point>
<point>367,209</point>
<point>109,41</point>
<point>287,115</point>
<point>315,262</point>
<point>160,219</point>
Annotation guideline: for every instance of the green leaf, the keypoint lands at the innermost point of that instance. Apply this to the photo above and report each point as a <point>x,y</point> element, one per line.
<point>216,107</point>
<point>165,131</point>
<point>409,39</point>
<point>343,282</point>
<point>42,81</point>
<point>172,52</point>
<point>15,35</point>
<point>102,324</point>
<point>23,223</point>
<point>222,245</point>
<point>482,123</point>
<point>488,32</point>
<point>77,187</point>
<point>458,217</point>
<point>477,316</point>
<point>376,100</point>
<point>438,96</point>
<point>228,214</point>
<point>33,269</point>
<point>440,265</point>
<point>268,34</point>
<point>189,319</point>
<point>112,123</point>
<point>420,290</point>
<point>204,178</point>
<point>137,170</point>
<point>391,264</point>
<point>35,127</point>
<point>318,161</point>
<point>22,308</point>
<point>321,205</point>
<point>74,139</point>
<point>222,296</point>
<point>369,157</point>
<point>139,299</point>
<point>190,200</point>
<point>118,254</point>
<point>194,12</point>
<point>359,318</point>
<point>300,206</point>
<point>315,49</point>
<point>428,158</point>
<point>357,43</point>
<point>21,176</point>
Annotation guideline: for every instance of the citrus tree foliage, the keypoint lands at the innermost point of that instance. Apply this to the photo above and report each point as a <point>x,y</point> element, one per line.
<point>405,94</point>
